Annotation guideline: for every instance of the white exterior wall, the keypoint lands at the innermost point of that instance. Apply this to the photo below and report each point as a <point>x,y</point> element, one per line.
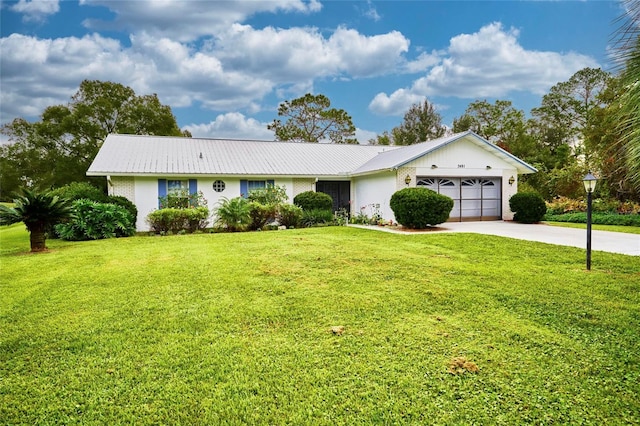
<point>466,159</point>
<point>371,191</point>
<point>143,191</point>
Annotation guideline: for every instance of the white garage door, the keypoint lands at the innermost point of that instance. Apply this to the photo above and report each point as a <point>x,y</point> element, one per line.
<point>473,198</point>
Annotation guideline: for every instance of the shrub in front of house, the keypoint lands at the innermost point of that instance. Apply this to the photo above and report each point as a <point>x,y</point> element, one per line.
<point>528,207</point>
<point>316,217</point>
<point>94,221</point>
<point>174,220</point>
<point>419,208</point>
<point>233,214</point>
<point>126,203</point>
<point>311,200</point>
<point>289,215</point>
<point>80,190</point>
<point>261,214</point>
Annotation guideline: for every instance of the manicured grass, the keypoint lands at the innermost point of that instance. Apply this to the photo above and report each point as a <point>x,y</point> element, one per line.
<point>612,228</point>
<point>236,329</point>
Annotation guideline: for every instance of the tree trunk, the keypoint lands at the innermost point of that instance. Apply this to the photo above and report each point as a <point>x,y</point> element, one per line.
<point>37,238</point>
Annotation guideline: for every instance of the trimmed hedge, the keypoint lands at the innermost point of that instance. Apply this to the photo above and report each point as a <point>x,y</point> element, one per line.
<point>419,208</point>
<point>310,200</point>
<point>528,207</point>
<point>172,220</point>
<point>597,218</point>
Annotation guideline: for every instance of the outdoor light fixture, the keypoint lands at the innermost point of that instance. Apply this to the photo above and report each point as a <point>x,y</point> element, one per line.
<point>589,182</point>
<point>407,180</point>
<point>488,167</point>
<point>433,166</point>
<point>511,180</point>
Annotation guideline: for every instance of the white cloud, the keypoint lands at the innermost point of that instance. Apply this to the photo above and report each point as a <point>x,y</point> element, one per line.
<point>363,136</point>
<point>299,54</point>
<point>188,20</point>
<point>489,63</point>
<point>371,12</point>
<point>396,104</point>
<point>232,125</point>
<point>36,10</point>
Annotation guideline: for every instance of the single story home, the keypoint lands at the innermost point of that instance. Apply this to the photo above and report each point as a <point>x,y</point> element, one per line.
<point>479,176</point>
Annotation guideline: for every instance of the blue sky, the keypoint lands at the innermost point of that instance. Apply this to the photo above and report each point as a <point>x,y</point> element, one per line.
<point>224,66</point>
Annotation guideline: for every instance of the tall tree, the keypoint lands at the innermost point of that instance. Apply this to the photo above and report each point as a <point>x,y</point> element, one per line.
<point>628,103</point>
<point>59,148</point>
<point>500,123</point>
<point>310,119</point>
<point>570,107</point>
<point>421,123</point>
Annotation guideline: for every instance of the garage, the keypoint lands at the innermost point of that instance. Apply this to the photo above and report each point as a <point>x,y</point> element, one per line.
<point>474,198</point>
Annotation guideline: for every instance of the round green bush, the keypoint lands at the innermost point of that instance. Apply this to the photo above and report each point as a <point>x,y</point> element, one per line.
<point>528,207</point>
<point>80,190</point>
<point>311,200</point>
<point>121,201</point>
<point>419,208</point>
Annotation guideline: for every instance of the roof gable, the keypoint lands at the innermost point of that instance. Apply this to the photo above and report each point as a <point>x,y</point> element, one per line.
<point>406,154</point>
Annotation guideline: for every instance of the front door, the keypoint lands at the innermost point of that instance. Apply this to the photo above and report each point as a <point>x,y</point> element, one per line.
<point>339,191</point>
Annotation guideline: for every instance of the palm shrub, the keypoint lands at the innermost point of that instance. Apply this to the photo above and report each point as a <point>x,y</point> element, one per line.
<point>528,207</point>
<point>39,211</point>
<point>419,208</point>
<point>96,221</point>
<point>233,214</point>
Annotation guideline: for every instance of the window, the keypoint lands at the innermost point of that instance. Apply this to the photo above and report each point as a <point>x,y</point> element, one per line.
<point>246,186</point>
<point>177,187</point>
<point>256,184</point>
<point>218,186</point>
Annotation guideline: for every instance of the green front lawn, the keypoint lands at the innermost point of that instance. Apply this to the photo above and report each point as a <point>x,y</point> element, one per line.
<point>236,329</point>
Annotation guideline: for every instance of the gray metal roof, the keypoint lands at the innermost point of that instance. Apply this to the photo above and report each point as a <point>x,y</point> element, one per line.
<point>406,154</point>
<point>161,155</point>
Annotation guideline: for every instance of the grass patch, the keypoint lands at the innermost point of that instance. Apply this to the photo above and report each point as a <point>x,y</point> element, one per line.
<point>611,228</point>
<point>237,329</point>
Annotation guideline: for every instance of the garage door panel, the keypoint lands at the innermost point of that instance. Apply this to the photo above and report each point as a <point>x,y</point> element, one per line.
<point>473,198</point>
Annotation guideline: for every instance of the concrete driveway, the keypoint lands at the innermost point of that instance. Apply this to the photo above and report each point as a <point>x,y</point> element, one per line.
<point>613,242</point>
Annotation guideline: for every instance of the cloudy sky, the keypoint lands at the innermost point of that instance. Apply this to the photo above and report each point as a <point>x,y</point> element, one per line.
<point>224,66</point>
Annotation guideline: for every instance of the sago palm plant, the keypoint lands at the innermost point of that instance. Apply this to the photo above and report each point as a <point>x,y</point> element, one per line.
<point>234,214</point>
<point>39,211</point>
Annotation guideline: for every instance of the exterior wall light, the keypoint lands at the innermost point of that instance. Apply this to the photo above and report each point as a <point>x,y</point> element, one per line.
<point>433,166</point>
<point>589,182</point>
<point>511,180</point>
<point>488,167</point>
<point>407,180</point>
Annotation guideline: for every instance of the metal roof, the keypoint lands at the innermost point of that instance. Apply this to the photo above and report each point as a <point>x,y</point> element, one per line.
<point>161,155</point>
<point>127,155</point>
<point>398,158</point>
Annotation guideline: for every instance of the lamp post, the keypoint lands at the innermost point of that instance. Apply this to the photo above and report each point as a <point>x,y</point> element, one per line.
<point>589,182</point>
